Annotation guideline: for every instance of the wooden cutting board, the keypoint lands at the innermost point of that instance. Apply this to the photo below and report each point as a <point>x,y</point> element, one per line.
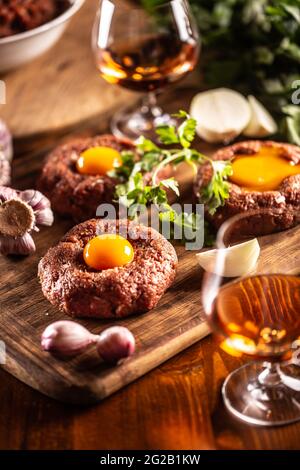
<point>57,96</point>
<point>177,322</point>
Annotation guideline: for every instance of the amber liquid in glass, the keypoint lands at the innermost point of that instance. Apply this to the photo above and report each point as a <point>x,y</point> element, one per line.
<point>147,63</point>
<point>260,315</point>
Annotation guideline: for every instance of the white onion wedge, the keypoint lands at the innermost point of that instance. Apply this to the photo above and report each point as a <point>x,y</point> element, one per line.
<point>240,259</point>
<point>261,123</point>
<point>222,114</point>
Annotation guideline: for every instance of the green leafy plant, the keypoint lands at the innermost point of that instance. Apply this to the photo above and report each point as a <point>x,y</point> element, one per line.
<point>291,123</point>
<point>140,183</point>
<point>253,46</point>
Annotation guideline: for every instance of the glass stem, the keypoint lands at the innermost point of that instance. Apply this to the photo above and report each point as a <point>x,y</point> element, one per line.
<point>269,377</point>
<point>150,107</point>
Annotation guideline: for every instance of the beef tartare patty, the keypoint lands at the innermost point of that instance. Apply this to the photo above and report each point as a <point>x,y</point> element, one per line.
<point>71,193</point>
<point>286,198</point>
<point>80,291</point>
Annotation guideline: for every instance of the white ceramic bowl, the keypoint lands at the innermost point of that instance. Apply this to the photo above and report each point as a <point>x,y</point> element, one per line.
<point>21,48</point>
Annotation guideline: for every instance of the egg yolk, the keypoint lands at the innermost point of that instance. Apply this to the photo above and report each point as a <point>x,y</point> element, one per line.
<point>263,171</point>
<point>108,251</point>
<point>98,161</point>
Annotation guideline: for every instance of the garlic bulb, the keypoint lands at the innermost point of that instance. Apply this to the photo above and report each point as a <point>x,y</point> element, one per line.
<point>67,338</point>
<point>115,343</point>
<point>20,214</point>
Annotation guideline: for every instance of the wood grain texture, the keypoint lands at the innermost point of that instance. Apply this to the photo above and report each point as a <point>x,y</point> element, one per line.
<point>177,322</point>
<point>174,325</point>
<point>62,87</point>
<point>177,405</point>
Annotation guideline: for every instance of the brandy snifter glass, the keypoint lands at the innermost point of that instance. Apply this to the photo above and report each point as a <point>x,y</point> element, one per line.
<point>258,316</point>
<point>144,50</point>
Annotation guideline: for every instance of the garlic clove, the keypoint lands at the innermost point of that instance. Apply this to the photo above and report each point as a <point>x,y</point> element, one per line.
<point>35,199</point>
<point>5,154</point>
<point>222,114</point>
<point>5,170</point>
<point>261,123</point>
<point>40,205</point>
<point>7,193</point>
<point>44,217</point>
<point>22,246</point>
<point>115,343</point>
<point>239,260</point>
<point>66,338</point>
<point>6,141</point>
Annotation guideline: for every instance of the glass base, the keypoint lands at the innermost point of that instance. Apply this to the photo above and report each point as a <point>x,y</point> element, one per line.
<point>131,123</point>
<point>256,394</point>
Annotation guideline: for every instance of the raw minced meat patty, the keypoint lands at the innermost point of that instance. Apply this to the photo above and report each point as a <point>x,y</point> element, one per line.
<point>80,291</point>
<point>73,194</point>
<point>285,199</point>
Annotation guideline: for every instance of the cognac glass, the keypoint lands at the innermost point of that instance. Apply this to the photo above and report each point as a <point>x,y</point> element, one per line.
<point>144,50</point>
<point>258,316</point>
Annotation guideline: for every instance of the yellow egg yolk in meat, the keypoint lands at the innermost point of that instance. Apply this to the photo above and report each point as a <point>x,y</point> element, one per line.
<point>108,251</point>
<point>263,171</point>
<point>98,161</point>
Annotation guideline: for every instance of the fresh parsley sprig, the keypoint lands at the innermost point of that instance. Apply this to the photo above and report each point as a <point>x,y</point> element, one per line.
<point>140,182</point>
<point>216,192</point>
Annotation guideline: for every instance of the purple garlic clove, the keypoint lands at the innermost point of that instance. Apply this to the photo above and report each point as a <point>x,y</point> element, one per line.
<point>6,141</point>
<point>20,214</point>
<point>115,343</point>
<point>66,338</point>
<point>5,170</point>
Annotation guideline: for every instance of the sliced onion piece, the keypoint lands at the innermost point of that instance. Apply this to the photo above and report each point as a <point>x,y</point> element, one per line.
<point>222,114</point>
<point>261,123</point>
<point>240,259</point>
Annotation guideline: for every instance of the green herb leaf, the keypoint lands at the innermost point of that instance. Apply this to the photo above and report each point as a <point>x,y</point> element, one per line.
<point>181,114</point>
<point>187,132</point>
<point>172,184</point>
<point>124,171</point>
<point>133,191</point>
<point>167,135</point>
<point>291,123</point>
<point>145,145</point>
<point>216,192</point>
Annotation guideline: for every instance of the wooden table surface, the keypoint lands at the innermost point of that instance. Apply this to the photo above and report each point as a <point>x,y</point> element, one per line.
<point>178,405</point>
